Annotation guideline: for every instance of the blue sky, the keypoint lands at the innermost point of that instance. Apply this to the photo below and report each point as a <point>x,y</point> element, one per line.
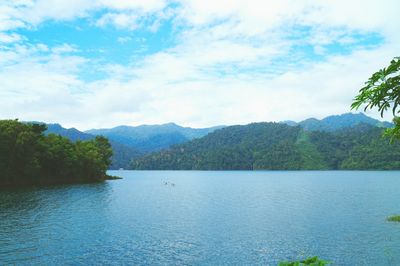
<point>102,63</point>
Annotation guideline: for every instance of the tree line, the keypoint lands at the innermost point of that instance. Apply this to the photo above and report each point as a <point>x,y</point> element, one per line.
<point>28,156</point>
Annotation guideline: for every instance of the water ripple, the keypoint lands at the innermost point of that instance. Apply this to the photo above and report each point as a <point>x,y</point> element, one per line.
<point>207,218</point>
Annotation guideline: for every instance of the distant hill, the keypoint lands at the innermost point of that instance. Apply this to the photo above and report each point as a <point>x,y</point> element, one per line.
<point>122,156</point>
<point>337,122</point>
<point>133,142</point>
<point>71,133</point>
<point>148,138</point>
<point>276,146</point>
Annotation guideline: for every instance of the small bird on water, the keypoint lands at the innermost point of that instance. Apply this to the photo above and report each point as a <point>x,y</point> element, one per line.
<point>168,183</point>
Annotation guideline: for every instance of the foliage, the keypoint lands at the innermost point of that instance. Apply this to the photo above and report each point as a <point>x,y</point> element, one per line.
<point>272,146</point>
<point>394,218</point>
<point>313,261</point>
<point>312,158</point>
<point>27,156</point>
<point>129,143</point>
<point>231,148</point>
<point>382,91</point>
<point>122,154</point>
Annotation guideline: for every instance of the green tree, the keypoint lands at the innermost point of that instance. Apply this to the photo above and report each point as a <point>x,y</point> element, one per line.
<point>19,150</point>
<point>27,156</point>
<point>312,261</point>
<point>382,91</point>
<point>105,151</point>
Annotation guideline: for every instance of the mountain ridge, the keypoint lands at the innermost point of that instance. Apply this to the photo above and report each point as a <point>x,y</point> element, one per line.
<point>337,122</point>
<point>277,146</point>
<point>132,142</point>
<point>148,138</point>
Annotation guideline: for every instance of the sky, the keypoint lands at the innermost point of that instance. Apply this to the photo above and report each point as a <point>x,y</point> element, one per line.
<point>199,63</point>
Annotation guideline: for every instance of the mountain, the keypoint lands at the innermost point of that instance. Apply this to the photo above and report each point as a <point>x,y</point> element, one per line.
<point>276,146</point>
<point>337,122</point>
<point>71,133</point>
<point>133,142</point>
<point>289,123</point>
<point>148,138</point>
<point>122,154</point>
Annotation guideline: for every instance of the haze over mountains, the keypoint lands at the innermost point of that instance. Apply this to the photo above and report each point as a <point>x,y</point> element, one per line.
<point>148,138</point>
<point>131,142</point>
<point>336,122</point>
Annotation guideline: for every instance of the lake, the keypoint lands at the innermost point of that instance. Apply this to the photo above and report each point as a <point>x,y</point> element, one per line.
<point>205,218</point>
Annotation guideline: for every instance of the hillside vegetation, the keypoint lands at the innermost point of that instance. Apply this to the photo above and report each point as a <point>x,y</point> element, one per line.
<point>129,143</point>
<point>122,154</point>
<point>276,146</point>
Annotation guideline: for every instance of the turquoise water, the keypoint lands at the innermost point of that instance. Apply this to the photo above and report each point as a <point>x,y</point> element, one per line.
<point>205,218</point>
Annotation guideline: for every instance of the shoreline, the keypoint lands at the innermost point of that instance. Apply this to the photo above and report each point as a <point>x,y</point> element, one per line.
<point>43,183</point>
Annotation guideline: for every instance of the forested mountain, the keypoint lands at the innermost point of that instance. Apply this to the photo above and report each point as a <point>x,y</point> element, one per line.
<point>130,143</point>
<point>122,154</point>
<point>277,146</point>
<point>147,138</point>
<point>337,122</point>
<point>29,157</point>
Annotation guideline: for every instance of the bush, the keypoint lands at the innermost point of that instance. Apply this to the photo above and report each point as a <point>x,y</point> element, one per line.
<point>394,218</point>
<point>312,261</point>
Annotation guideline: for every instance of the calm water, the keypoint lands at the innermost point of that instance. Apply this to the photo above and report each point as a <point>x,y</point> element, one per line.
<point>207,218</point>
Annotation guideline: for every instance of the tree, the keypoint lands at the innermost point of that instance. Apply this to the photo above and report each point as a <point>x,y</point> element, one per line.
<point>382,91</point>
<point>312,261</point>
<point>28,156</point>
<point>19,149</point>
<point>105,151</point>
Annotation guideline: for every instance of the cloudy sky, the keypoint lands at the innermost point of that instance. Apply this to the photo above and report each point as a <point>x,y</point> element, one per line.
<point>102,63</point>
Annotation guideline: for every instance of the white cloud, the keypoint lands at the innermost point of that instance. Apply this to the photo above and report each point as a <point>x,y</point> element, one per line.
<point>319,90</point>
<point>10,38</point>
<point>233,62</point>
<point>124,39</point>
<point>17,14</point>
<point>145,5</point>
<point>64,48</point>
<point>119,20</point>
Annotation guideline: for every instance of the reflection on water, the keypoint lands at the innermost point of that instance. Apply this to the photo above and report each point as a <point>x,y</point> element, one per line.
<point>214,218</point>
